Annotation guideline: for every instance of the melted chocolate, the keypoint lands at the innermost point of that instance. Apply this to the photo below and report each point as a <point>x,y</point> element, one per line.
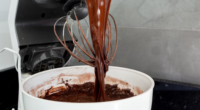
<point>85,93</point>
<point>98,16</point>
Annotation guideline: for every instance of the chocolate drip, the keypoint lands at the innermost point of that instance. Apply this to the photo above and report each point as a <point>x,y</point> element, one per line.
<point>98,15</point>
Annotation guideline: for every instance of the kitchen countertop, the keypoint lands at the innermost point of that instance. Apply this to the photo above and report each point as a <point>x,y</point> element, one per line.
<point>167,95</point>
<point>175,96</point>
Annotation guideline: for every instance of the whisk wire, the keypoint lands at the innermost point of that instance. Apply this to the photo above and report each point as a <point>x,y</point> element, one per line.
<point>66,47</point>
<point>108,50</point>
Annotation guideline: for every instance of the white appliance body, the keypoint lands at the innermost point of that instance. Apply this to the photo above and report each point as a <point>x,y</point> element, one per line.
<point>12,29</point>
<point>6,58</point>
<point>13,33</point>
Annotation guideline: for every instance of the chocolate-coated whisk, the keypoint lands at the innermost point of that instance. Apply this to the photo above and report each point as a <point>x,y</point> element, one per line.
<point>110,54</point>
<point>103,54</point>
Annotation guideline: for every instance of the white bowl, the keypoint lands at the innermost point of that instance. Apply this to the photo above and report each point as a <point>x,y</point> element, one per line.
<point>48,78</point>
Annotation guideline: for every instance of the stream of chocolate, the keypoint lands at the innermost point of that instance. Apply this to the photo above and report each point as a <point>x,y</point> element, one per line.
<point>98,16</point>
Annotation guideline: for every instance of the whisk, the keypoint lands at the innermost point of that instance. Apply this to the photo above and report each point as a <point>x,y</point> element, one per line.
<point>107,52</point>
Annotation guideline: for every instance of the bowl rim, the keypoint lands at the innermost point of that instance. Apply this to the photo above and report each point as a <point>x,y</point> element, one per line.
<point>85,66</point>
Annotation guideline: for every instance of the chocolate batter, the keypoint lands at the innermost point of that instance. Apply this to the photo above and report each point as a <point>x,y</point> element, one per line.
<point>85,93</point>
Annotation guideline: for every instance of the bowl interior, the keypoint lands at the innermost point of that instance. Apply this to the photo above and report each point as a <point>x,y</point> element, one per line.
<point>44,80</point>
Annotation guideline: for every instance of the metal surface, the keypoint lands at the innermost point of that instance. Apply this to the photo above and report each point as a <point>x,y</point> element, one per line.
<point>76,6</point>
<point>34,23</point>
<point>81,12</point>
<point>43,57</point>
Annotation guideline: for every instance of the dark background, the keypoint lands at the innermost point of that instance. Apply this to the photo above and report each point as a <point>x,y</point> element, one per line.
<point>9,89</point>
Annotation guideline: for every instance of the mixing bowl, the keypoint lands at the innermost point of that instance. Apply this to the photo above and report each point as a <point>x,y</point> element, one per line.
<point>36,85</point>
